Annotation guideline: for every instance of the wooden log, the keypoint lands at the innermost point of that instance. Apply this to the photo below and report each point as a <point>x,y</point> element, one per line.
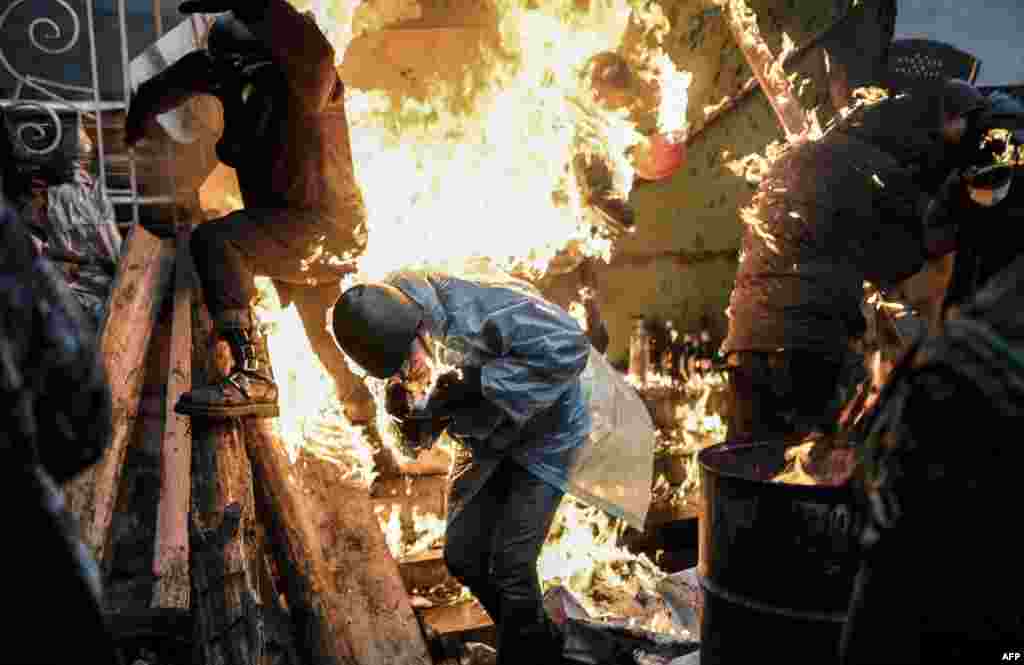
<point>142,279</point>
<point>171,559</point>
<point>766,67</point>
<point>226,572</point>
<point>343,588</point>
<point>382,625</point>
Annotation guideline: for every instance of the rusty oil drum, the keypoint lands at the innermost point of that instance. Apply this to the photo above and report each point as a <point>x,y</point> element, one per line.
<point>777,561</point>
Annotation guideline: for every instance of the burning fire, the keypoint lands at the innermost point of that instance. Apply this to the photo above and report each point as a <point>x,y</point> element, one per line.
<point>311,415</point>
<point>609,581</point>
<point>443,187</point>
<point>818,461</point>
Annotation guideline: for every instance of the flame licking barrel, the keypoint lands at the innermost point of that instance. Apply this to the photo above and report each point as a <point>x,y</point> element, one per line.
<point>777,561</point>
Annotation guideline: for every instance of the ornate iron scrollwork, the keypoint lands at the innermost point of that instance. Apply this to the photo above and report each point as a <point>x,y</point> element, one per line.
<point>26,135</point>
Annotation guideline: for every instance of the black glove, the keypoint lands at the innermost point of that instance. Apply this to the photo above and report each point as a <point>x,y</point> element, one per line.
<point>398,400</point>
<point>247,10</point>
<point>452,392</point>
<point>419,433</point>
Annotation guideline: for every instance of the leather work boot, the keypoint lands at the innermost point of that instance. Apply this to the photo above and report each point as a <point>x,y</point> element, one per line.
<point>249,390</point>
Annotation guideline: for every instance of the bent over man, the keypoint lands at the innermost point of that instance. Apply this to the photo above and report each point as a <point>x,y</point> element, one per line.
<point>286,134</point>
<point>515,402</point>
<point>869,201</point>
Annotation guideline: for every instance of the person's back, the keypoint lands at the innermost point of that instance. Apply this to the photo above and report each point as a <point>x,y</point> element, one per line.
<point>307,163</point>
<point>829,215</point>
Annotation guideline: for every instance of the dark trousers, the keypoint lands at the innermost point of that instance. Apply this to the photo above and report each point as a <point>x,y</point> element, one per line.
<point>298,247</point>
<point>492,547</point>
<point>782,394</point>
<point>304,252</point>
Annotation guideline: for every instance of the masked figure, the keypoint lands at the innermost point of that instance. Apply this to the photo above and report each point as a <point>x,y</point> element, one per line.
<point>522,402</point>
<point>870,201</point>
<point>935,453</point>
<point>304,221</point>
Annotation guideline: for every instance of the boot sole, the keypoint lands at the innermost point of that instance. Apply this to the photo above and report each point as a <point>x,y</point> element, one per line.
<point>227,412</point>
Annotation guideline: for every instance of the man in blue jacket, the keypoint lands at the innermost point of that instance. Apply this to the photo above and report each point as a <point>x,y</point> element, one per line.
<point>516,404</point>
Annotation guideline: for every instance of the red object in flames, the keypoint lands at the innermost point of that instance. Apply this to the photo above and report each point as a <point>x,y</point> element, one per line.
<point>660,158</point>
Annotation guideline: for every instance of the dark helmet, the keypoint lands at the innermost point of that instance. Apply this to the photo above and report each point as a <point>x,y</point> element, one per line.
<point>230,36</point>
<point>375,325</point>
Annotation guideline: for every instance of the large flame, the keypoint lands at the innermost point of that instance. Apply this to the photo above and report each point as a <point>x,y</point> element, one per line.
<point>443,187</point>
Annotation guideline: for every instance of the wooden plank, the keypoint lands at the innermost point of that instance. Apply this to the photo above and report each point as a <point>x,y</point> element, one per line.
<point>171,556</point>
<point>343,588</point>
<point>143,276</point>
<point>226,572</point>
<point>767,68</point>
<point>459,618</point>
<point>382,626</point>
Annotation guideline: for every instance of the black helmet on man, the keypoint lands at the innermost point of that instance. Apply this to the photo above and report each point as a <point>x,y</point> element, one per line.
<point>375,324</point>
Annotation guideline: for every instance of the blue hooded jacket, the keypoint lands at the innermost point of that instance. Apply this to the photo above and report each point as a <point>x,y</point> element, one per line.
<point>531,354</point>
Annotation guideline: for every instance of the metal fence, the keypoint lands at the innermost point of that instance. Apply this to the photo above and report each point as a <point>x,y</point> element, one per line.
<point>63,58</point>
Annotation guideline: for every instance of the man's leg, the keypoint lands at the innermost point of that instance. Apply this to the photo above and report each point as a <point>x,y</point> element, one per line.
<point>228,254</point>
<point>313,304</point>
<point>752,398</point>
<point>525,633</point>
<point>469,542</point>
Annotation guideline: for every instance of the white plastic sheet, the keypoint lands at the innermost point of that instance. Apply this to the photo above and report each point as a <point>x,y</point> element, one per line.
<point>614,470</point>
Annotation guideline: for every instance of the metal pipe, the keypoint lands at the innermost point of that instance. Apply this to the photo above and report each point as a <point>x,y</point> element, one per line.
<point>100,152</point>
<point>126,72</point>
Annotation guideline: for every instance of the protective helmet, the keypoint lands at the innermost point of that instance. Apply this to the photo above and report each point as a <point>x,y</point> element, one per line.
<point>375,325</point>
<point>230,36</point>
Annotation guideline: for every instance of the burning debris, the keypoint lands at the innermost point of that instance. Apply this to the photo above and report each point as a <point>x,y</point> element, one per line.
<point>610,583</point>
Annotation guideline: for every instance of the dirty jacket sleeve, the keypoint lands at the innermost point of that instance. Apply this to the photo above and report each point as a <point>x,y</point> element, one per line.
<point>302,50</point>
<point>539,351</point>
<point>191,75</point>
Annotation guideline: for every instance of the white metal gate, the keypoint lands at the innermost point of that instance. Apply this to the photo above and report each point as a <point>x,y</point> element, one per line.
<point>43,43</point>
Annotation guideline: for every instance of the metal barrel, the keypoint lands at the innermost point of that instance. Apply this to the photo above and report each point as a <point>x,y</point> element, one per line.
<point>777,561</point>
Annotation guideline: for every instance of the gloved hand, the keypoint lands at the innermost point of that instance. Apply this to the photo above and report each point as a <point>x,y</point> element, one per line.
<point>453,392</point>
<point>398,400</point>
<point>420,433</point>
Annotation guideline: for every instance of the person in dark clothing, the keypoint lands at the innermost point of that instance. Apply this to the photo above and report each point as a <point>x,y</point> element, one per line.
<point>55,404</point>
<point>939,580</point>
<point>304,221</point>
<point>869,201</point>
